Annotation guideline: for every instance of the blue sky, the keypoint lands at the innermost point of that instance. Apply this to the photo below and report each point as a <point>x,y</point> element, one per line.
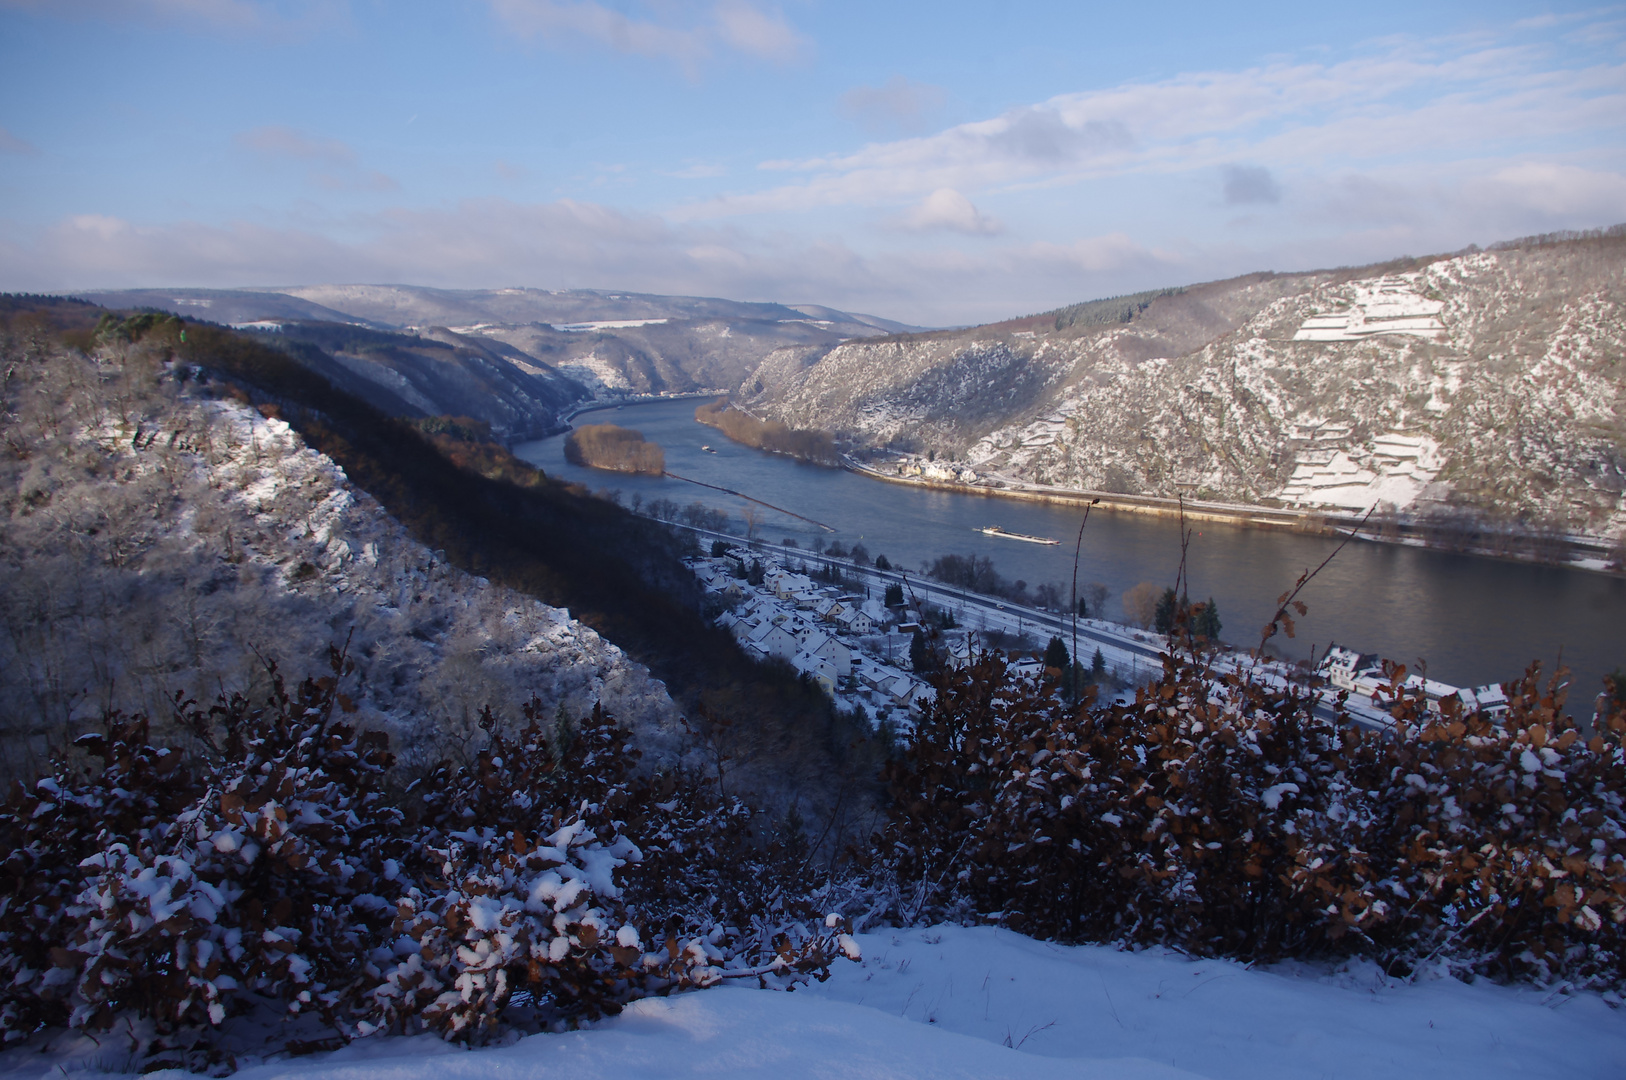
<point>938,163</point>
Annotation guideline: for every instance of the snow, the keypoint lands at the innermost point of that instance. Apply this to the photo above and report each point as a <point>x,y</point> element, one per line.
<point>596,373</point>
<point>1393,468</point>
<point>985,1002</point>
<point>606,324</point>
<point>1387,305</point>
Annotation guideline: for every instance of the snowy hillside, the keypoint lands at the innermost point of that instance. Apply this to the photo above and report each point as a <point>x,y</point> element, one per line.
<point>157,534</point>
<point>952,1002</point>
<point>572,341</point>
<point>1489,382</point>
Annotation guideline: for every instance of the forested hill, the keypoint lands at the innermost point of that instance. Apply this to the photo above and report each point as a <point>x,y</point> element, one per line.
<point>190,388</point>
<point>1488,385</point>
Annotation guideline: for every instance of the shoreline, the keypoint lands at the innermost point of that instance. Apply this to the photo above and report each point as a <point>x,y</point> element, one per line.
<point>1580,554</point>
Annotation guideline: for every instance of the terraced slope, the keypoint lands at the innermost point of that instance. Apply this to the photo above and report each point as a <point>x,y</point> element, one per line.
<point>1488,384</point>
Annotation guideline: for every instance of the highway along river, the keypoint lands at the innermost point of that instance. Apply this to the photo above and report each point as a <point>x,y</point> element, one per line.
<point>1472,619</point>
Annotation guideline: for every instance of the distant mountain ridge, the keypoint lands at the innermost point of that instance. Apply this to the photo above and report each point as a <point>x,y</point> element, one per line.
<point>517,359</point>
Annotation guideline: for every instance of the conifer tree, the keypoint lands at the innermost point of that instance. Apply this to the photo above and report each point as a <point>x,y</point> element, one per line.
<point>1206,621</point>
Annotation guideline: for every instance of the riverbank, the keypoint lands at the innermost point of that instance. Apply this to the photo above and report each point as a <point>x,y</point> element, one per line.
<point>1474,619</point>
<point>1132,655</point>
<point>600,404</point>
<point>1580,552</point>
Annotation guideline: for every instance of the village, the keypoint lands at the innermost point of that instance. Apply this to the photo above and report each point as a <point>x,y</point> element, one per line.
<point>857,648</point>
<point>854,645</point>
<point>851,645</point>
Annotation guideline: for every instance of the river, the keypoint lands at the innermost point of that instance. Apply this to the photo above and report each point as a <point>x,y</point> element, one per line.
<point>1473,620</point>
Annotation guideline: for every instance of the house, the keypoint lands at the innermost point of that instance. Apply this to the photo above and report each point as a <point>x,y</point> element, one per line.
<point>855,622</point>
<point>785,584</point>
<point>1027,668</point>
<point>1490,700</point>
<point>821,644</point>
<point>818,669</point>
<point>772,639</point>
<point>907,693</point>
<point>1343,667</point>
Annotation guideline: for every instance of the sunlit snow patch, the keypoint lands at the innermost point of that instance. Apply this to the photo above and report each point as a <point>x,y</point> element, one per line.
<point>610,324</point>
<point>1386,305</point>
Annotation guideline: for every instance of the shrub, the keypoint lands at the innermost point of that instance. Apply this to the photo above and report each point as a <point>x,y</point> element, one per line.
<point>1223,815</point>
<point>282,860</point>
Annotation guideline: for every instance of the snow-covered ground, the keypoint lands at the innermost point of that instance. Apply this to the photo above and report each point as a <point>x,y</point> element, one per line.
<point>1386,305</point>
<point>952,1002</point>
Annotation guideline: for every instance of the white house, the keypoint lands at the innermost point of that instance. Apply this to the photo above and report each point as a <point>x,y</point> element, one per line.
<point>855,622</point>
<point>832,649</point>
<point>821,670</point>
<point>773,640</point>
<point>830,609</point>
<point>785,584</point>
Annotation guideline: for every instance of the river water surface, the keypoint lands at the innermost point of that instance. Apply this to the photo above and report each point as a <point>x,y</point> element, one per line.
<point>1472,619</point>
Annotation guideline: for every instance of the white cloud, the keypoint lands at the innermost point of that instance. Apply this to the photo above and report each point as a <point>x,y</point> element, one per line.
<point>1561,191</point>
<point>1409,99</point>
<point>947,209</point>
<point>735,24</point>
<point>1479,201</point>
<point>759,33</point>
<point>897,107</point>
<point>495,242</point>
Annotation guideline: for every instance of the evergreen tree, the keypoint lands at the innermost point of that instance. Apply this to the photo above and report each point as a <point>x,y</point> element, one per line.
<point>1206,622</point>
<point>894,595</point>
<point>1055,655</point>
<point>1167,607</point>
<point>921,657</point>
<point>882,563</point>
<point>1098,666</point>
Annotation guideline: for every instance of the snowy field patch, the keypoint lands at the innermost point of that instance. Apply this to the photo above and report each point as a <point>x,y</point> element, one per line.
<point>952,1002</point>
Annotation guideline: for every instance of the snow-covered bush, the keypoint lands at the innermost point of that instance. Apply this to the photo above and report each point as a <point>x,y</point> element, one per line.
<point>282,859</point>
<point>1223,815</point>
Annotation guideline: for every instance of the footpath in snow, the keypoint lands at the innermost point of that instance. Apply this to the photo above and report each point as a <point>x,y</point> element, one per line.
<point>953,1002</point>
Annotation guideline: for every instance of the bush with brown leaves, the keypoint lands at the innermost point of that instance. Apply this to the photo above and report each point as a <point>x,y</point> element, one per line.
<point>1225,815</point>
<point>280,858</point>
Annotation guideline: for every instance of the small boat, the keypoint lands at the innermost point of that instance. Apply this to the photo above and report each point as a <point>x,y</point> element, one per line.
<point>708,449</point>
<point>995,530</point>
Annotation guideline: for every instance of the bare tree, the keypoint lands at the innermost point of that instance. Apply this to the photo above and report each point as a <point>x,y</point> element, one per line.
<point>1140,604</point>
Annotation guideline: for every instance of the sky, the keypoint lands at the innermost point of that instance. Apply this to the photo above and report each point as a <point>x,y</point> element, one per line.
<point>938,163</point>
